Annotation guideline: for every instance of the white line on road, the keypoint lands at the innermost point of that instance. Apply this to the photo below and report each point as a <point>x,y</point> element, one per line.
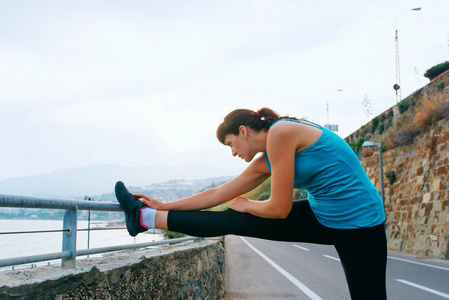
<point>418,263</point>
<point>297,246</point>
<point>295,281</point>
<point>331,257</point>
<point>424,288</point>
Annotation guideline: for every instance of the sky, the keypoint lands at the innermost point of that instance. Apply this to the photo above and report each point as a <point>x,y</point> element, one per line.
<point>139,83</point>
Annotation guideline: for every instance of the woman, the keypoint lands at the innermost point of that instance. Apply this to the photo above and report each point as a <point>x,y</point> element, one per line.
<point>343,208</point>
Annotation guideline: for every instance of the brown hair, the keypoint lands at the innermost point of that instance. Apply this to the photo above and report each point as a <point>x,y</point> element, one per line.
<point>256,120</point>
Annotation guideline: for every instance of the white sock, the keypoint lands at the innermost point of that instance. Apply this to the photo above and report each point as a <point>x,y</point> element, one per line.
<point>148,217</point>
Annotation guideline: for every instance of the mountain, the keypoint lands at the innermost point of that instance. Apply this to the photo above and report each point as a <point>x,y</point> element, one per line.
<point>99,179</point>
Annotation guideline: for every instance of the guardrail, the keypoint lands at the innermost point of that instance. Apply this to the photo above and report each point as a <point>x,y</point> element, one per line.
<point>69,252</point>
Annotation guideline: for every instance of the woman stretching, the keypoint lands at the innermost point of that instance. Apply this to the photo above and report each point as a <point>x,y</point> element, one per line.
<point>343,208</point>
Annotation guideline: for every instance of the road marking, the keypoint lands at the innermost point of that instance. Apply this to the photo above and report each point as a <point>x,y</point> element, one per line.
<point>331,257</point>
<point>295,281</point>
<point>297,246</point>
<point>418,263</point>
<point>424,288</point>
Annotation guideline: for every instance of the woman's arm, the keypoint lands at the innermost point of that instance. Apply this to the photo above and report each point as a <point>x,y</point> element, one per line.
<point>256,173</point>
<point>282,143</point>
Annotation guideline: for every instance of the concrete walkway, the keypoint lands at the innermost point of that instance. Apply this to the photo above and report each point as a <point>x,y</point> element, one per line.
<point>248,276</point>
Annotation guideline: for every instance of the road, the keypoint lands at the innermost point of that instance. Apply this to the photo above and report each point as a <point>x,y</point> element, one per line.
<point>261,269</point>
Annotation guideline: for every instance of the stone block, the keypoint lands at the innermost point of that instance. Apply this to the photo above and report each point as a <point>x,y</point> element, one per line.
<point>426,197</point>
<point>436,184</point>
<point>419,171</point>
<point>444,205</point>
<point>429,207</point>
<point>404,216</point>
<point>442,170</point>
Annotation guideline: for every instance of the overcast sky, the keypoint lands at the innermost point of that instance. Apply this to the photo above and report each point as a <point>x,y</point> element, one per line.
<point>138,83</point>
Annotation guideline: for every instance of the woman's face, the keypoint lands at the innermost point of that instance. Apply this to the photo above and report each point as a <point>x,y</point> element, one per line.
<point>240,145</point>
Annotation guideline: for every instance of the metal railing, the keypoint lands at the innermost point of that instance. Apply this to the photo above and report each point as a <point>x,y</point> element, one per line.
<point>69,230</point>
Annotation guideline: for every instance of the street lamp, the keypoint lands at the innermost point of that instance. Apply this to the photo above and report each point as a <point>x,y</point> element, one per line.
<point>397,86</point>
<point>333,128</point>
<point>370,144</point>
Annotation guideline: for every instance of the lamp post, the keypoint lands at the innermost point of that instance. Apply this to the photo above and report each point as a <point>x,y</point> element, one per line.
<point>397,86</point>
<point>370,144</point>
<point>333,128</point>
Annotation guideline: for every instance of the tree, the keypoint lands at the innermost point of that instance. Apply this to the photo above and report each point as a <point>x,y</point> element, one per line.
<point>437,70</point>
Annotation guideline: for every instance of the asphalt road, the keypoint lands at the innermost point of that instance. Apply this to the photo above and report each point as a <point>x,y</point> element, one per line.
<point>261,269</point>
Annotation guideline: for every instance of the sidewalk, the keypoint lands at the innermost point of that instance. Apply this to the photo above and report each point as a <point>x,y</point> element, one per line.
<point>248,276</point>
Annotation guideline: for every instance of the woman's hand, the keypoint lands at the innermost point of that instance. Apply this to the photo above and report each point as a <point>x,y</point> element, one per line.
<point>150,201</point>
<point>240,204</point>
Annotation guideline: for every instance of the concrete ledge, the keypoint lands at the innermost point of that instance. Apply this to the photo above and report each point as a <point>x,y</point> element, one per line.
<point>192,270</point>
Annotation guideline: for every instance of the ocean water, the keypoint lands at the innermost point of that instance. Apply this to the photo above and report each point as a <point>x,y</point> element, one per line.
<point>17,245</point>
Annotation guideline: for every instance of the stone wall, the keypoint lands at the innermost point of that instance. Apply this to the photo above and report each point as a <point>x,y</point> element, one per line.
<point>417,203</point>
<point>192,270</point>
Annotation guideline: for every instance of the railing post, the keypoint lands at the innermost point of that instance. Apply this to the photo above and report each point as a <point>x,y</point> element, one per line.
<point>69,237</point>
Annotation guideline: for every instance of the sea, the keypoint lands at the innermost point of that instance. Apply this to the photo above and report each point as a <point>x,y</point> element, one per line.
<point>17,245</point>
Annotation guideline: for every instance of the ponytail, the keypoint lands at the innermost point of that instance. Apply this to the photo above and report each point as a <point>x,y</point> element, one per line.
<point>267,116</point>
<point>256,120</point>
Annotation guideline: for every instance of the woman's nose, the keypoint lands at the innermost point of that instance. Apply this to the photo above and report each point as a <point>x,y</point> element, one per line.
<point>234,153</point>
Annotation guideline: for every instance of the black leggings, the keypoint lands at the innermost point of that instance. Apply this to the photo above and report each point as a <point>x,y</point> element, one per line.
<point>362,251</point>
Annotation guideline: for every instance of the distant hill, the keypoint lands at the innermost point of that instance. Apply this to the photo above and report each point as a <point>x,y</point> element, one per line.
<point>99,179</point>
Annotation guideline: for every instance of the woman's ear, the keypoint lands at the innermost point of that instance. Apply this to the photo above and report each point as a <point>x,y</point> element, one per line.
<point>243,130</point>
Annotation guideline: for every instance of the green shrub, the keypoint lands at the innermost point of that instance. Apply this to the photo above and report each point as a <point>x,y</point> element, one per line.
<point>437,70</point>
<point>380,128</point>
<point>374,124</point>
<point>172,235</point>
<point>375,121</point>
<point>301,195</point>
<point>360,142</point>
<point>357,146</point>
<point>390,115</point>
<point>440,85</point>
<point>387,125</point>
<point>404,105</point>
<point>264,196</point>
<point>416,95</point>
<point>391,176</point>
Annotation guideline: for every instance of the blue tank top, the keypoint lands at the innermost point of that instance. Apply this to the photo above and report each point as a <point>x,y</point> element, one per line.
<point>341,195</point>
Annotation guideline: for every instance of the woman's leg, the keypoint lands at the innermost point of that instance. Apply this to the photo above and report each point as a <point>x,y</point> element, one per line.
<point>161,219</point>
<point>363,255</point>
<point>300,225</point>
